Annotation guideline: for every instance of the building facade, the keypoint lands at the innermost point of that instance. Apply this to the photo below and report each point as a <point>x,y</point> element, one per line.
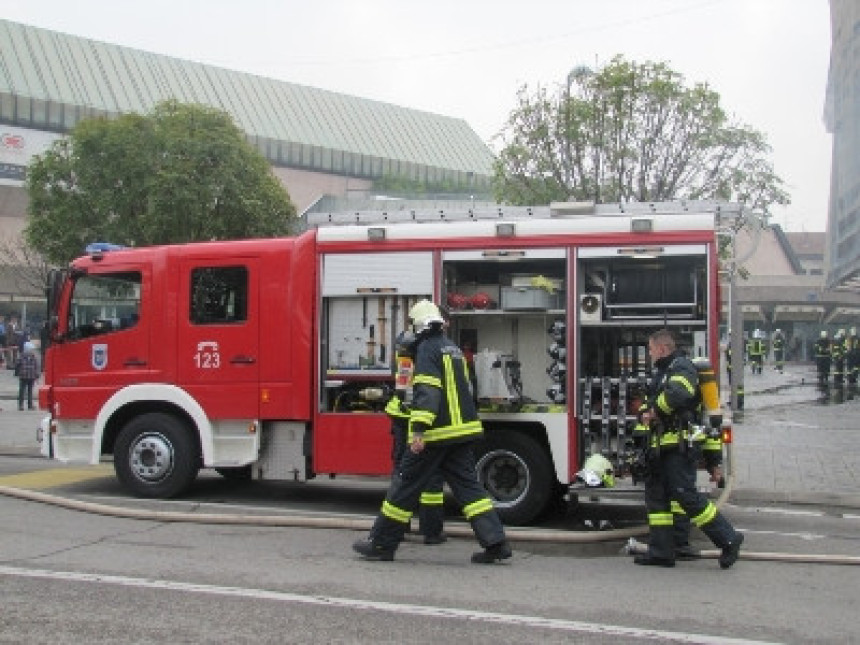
<point>842,118</point>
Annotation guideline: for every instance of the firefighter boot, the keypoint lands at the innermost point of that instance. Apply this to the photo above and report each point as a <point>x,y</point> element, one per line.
<point>493,553</point>
<point>370,550</point>
<point>725,538</point>
<point>491,535</point>
<point>731,552</point>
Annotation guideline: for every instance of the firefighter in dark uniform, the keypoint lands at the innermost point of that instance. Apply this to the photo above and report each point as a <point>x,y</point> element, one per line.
<point>837,357</point>
<point>778,344</point>
<point>443,427</point>
<point>757,351</point>
<point>672,404</point>
<point>822,358</point>
<point>852,356</point>
<point>431,515</point>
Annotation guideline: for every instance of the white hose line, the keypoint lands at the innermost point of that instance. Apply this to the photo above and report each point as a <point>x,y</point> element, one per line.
<point>638,548</point>
<point>303,521</point>
<point>516,534</point>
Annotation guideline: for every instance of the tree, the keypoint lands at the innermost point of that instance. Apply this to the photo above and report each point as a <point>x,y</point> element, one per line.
<point>631,132</point>
<point>180,174</point>
<point>25,269</point>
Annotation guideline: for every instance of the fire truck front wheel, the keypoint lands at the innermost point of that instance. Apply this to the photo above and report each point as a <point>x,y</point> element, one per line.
<point>156,456</point>
<point>517,473</point>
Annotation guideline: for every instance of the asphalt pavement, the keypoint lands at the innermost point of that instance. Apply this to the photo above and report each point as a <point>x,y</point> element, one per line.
<point>794,442</point>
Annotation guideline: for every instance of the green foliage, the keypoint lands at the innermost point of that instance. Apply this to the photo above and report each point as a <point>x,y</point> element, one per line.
<point>631,132</point>
<point>182,173</point>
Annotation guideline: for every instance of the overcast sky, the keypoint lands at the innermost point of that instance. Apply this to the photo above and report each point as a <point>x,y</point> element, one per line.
<point>768,59</point>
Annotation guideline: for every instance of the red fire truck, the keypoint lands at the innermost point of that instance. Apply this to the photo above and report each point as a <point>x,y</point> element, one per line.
<point>272,358</point>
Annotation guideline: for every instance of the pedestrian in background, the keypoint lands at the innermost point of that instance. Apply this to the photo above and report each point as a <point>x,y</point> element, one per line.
<point>27,370</point>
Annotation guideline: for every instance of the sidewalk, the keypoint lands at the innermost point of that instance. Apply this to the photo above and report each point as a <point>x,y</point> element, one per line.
<point>792,443</point>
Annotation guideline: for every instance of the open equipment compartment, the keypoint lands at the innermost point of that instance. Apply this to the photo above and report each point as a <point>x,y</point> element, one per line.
<point>625,294</point>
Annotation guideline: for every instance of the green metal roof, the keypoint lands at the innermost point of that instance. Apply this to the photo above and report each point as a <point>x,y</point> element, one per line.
<point>51,80</point>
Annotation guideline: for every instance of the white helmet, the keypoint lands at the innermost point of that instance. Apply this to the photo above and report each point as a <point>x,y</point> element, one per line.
<point>597,471</point>
<point>824,333</point>
<point>423,314</point>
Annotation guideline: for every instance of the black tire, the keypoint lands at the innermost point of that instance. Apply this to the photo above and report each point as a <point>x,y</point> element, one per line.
<point>155,456</point>
<point>235,473</point>
<point>517,473</point>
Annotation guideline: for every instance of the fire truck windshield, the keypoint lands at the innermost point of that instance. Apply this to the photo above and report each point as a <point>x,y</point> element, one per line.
<point>103,303</point>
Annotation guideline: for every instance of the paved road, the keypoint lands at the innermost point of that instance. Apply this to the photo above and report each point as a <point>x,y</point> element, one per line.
<point>793,443</point>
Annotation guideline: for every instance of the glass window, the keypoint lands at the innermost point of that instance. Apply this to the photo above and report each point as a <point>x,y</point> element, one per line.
<point>219,295</point>
<point>103,303</point>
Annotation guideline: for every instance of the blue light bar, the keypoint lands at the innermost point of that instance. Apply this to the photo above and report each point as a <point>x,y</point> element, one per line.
<point>102,247</point>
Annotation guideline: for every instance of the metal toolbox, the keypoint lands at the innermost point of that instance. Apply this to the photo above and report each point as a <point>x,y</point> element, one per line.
<point>519,298</point>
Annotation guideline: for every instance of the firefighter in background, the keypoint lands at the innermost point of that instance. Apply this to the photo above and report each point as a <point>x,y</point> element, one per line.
<point>837,357</point>
<point>671,407</point>
<point>431,513</point>
<point>778,345</point>
<point>852,356</point>
<point>757,351</point>
<point>822,357</point>
<point>443,428</point>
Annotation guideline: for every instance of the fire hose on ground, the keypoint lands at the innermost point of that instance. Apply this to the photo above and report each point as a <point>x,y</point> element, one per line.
<point>515,534</point>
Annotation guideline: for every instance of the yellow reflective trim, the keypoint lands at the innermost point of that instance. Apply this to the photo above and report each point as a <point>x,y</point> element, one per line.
<point>705,516</point>
<point>422,416</point>
<point>392,512</point>
<point>432,499</point>
<point>476,508</point>
<point>394,409</point>
<point>451,390</point>
<point>424,379</point>
<point>676,508</point>
<point>665,439</point>
<point>448,432</point>
<point>683,381</point>
<point>660,519</point>
<point>661,403</point>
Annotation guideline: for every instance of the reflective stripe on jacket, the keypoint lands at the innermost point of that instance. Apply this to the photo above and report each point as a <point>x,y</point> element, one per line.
<point>443,408</point>
<point>675,397</point>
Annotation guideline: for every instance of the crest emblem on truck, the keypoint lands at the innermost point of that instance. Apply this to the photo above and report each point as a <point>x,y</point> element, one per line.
<point>100,356</point>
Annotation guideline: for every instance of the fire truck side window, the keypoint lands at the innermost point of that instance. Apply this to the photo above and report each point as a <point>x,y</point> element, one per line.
<point>219,295</point>
<point>103,303</point>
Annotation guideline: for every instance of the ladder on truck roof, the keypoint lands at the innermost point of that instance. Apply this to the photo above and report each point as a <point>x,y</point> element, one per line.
<point>556,210</point>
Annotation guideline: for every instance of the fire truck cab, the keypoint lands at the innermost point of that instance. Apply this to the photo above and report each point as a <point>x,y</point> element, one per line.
<point>274,358</point>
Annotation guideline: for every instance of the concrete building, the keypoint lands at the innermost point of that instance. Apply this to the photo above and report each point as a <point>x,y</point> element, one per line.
<point>321,144</point>
<point>783,287</point>
<point>842,117</point>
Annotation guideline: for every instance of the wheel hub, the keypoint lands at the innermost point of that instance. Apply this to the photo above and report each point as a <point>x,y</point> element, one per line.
<point>504,475</point>
<point>151,457</point>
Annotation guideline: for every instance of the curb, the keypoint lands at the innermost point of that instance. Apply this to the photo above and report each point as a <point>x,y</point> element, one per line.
<point>763,496</point>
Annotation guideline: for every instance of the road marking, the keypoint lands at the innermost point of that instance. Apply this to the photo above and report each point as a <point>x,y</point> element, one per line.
<point>370,605</point>
<point>41,479</point>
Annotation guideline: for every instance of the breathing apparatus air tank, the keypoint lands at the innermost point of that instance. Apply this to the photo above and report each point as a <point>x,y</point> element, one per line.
<point>709,391</point>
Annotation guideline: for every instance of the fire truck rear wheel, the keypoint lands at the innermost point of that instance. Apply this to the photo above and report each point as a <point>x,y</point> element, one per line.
<point>156,456</point>
<point>517,473</point>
